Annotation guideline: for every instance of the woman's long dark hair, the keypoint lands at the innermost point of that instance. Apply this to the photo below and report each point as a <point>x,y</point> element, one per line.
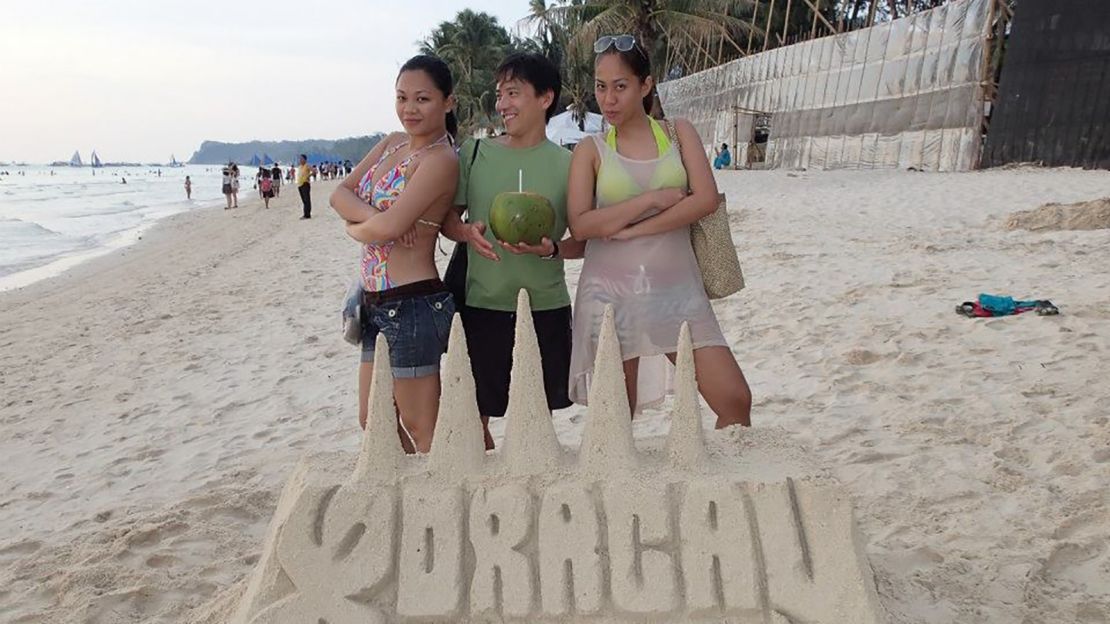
<point>441,75</point>
<point>637,60</point>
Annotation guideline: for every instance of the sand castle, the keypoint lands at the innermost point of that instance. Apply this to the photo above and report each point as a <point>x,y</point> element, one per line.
<point>536,532</point>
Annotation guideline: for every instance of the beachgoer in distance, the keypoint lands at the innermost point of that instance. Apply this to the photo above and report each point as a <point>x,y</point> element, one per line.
<point>724,158</point>
<point>528,87</point>
<point>628,198</point>
<point>275,174</point>
<point>225,185</point>
<point>304,187</point>
<point>266,187</point>
<point>235,185</point>
<point>188,188</point>
<point>403,188</point>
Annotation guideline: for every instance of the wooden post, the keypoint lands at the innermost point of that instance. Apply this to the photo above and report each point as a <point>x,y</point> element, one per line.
<point>893,9</point>
<point>767,30</point>
<point>817,16</point>
<point>987,89</point>
<point>816,11</point>
<point>751,29</point>
<point>785,21</point>
<point>871,4</point>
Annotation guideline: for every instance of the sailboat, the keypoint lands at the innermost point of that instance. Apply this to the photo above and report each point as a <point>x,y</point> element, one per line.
<point>75,161</point>
<point>96,160</point>
<point>173,162</point>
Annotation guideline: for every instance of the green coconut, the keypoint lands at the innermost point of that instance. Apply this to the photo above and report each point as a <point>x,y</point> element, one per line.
<point>521,217</point>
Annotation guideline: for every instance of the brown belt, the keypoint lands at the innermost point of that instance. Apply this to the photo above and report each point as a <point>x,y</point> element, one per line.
<point>422,288</point>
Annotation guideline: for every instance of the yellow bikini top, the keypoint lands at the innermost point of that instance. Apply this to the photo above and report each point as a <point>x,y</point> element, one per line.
<point>616,183</point>
<point>661,140</point>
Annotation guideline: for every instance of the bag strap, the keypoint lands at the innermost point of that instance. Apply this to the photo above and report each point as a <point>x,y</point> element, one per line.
<point>672,134</point>
<point>473,157</point>
<point>469,170</point>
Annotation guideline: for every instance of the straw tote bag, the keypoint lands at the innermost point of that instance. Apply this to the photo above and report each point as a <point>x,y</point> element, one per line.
<point>712,241</point>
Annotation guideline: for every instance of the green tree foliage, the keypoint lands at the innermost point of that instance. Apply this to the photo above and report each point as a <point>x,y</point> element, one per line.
<point>473,44</point>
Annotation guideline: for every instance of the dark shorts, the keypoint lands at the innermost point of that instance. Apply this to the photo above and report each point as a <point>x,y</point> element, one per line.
<point>268,194</point>
<point>489,339</point>
<point>226,189</point>
<point>416,322</point>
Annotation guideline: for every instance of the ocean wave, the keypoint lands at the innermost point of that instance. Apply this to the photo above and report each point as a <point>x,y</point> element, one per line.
<point>20,227</point>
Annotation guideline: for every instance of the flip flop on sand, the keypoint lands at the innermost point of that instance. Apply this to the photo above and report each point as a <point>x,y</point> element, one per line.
<point>1044,307</point>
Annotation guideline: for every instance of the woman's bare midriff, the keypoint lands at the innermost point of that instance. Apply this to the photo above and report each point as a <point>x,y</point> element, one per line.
<point>416,263</point>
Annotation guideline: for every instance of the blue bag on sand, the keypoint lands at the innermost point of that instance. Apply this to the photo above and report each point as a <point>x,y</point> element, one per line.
<point>998,304</point>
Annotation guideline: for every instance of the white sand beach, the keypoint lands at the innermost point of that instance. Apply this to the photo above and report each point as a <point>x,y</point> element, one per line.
<point>154,401</point>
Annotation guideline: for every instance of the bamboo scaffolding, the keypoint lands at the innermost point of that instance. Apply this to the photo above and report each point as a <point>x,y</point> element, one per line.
<point>817,15</point>
<point>767,30</point>
<point>785,21</point>
<point>987,87</point>
<point>751,29</point>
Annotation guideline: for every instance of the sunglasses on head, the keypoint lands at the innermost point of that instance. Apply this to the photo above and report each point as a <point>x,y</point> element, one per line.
<point>623,43</point>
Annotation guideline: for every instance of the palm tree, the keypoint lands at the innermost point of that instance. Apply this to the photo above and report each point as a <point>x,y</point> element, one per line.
<point>694,34</point>
<point>473,45</point>
<point>555,34</point>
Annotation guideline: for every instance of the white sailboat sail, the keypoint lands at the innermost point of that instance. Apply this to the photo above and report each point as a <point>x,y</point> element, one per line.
<point>96,160</point>
<point>75,161</point>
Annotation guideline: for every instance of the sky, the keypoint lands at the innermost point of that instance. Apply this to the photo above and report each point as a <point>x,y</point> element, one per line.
<point>144,80</point>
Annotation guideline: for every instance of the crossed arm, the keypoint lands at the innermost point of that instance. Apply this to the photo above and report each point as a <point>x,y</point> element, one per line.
<point>432,182</point>
<point>674,208</point>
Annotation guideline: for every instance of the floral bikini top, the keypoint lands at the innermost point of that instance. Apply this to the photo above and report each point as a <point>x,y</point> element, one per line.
<point>381,193</point>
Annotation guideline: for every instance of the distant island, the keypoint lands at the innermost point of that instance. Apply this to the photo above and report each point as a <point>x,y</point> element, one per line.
<point>218,152</point>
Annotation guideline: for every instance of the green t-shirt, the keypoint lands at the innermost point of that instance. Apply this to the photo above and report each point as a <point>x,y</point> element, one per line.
<point>494,285</point>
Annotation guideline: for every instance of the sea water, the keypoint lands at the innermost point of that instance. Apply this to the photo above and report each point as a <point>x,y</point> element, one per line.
<point>52,218</point>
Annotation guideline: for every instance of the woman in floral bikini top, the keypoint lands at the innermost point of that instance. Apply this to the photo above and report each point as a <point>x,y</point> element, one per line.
<point>394,203</point>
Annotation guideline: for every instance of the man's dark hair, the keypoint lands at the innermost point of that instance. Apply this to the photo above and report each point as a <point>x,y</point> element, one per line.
<point>538,71</point>
<point>304,157</point>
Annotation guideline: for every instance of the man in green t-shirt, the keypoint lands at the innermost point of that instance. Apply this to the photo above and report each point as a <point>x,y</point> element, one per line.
<point>528,87</point>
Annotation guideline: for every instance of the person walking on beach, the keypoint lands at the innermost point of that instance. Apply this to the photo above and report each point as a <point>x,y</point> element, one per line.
<point>266,187</point>
<point>403,189</point>
<point>188,188</point>
<point>528,87</point>
<point>235,185</point>
<point>275,174</point>
<point>304,187</point>
<point>225,186</point>
<point>627,197</point>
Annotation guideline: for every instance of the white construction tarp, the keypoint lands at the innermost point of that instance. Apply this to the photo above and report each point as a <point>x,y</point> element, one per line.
<point>907,93</point>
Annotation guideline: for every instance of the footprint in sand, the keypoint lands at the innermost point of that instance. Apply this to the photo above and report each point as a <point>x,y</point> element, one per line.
<point>861,357</point>
<point>149,535</point>
<point>19,549</point>
<point>161,561</point>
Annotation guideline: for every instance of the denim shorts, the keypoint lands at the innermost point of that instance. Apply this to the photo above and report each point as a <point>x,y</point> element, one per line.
<point>415,327</point>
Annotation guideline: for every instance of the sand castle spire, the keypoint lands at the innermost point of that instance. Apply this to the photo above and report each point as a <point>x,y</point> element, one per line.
<point>685,443</point>
<point>607,439</point>
<point>457,446</point>
<point>531,445</point>
<point>381,452</point>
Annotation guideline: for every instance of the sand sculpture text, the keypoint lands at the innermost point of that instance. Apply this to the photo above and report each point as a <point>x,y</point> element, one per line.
<point>534,532</point>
